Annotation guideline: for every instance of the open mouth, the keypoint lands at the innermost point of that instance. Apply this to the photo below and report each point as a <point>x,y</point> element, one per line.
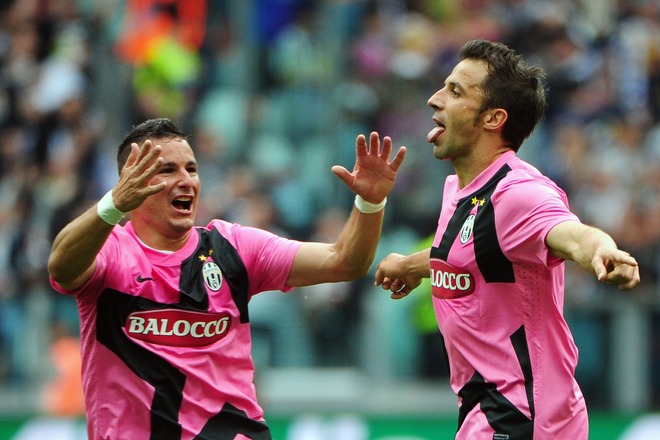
<point>183,203</point>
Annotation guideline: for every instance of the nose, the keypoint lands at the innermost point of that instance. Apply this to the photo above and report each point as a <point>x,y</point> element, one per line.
<point>434,101</point>
<point>186,179</point>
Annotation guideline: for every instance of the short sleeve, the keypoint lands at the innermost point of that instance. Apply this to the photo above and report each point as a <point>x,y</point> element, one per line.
<point>109,253</point>
<point>267,257</point>
<point>526,209</point>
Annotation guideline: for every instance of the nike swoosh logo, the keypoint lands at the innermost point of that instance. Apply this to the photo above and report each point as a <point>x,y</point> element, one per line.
<point>142,280</point>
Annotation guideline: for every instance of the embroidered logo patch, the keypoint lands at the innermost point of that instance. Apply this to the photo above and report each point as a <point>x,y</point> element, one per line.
<point>212,275</point>
<point>466,230</point>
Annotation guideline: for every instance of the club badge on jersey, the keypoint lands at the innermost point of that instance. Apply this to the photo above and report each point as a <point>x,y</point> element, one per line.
<point>212,275</point>
<point>466,230</point>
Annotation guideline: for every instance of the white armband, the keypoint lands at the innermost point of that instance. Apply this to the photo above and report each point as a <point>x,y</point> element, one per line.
<point>367,207</point>
<point>107,210</point>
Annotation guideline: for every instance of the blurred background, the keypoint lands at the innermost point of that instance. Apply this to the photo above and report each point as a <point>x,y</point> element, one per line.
<point>273,93</point>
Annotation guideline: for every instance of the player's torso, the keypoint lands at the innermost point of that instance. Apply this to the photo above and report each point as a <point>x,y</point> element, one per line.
<point>497,316</point>
<point>173,332</point>
<point>471,277</point>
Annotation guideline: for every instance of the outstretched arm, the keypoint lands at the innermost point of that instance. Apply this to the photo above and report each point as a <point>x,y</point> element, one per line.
<point>596,252</point>
<point>72,259</point>
<point>351,255</point>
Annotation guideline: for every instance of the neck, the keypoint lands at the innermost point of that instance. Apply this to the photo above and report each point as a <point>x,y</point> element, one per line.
<point>468,168</point>
<point>161,242</point>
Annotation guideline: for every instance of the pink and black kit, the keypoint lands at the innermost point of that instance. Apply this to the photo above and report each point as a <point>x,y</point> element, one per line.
<point>498,296</point>
<point>166,338</point>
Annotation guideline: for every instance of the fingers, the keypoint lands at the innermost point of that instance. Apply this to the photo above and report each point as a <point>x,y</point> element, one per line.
<point>343,174</point>
<point>375,148</point>
<point>361,146</point>
<point>375,145</point>
<point>383,281</point>
<point>398,295</point>
<point>398,159</point>
<point>629,285</point>
<point>145,158</point>
<point>149,157</point>
<point>621,270</point>
<point>398,288</point>
<point>625,276</point>
<point>133,187</point>
<point>385,150</point>
<point>133,156</point>
<point>153,189</point>
<point>378,150</point>
<point>373,175</point>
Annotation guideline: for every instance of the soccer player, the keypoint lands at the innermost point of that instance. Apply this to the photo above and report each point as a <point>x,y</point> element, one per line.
<point>163,303</point>
<point>497,261</point>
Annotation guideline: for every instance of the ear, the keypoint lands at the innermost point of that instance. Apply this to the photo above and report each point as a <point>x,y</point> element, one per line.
<point>494,119</point>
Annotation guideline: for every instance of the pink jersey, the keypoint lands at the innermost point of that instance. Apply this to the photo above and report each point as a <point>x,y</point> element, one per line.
<point>498,295</point>
<point>166,339</point>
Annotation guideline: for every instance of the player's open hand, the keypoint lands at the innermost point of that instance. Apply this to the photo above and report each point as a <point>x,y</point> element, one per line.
<point>373,174</point>
<point>133,186</point>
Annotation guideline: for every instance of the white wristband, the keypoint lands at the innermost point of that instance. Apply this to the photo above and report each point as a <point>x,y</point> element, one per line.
<point>107,210</point>
<point>367,207</point>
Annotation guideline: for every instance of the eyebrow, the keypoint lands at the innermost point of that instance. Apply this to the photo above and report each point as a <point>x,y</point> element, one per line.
<point>172,163</point>
<point>456,85</point>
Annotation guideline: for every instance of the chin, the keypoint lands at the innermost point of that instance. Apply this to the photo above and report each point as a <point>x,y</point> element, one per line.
<point>183,225</point>
<point>438,153</point>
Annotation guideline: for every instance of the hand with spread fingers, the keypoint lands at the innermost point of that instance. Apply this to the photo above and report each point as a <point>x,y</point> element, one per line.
<point>373,175</point>
<point>133,185</point>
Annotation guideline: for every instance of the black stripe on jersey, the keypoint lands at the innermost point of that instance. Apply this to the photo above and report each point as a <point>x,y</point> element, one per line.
<point>113,309</point>
<point>456,221</point>
<point>494,266</point>
<point>502,415</point>
<point>519,342</point>
<point>230,422</point>
<point>193,290</point>
<point>492,263</point>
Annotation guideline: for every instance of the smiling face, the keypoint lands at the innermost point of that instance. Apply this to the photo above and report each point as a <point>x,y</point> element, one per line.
<point>456,107</point>
<point>165,219</point>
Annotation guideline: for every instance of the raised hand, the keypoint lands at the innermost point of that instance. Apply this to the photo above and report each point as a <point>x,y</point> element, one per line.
<point>373,174</point>
<point>133,186</point>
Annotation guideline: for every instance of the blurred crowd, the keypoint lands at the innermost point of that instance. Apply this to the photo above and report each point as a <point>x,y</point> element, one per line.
<point>273,93</point>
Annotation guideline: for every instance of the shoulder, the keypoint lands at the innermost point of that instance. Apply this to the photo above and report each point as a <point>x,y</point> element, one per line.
<point>121,238</point>
<point>525,180</point>
<point>240,235</point>
<point>525,190</point>
<point>224,227</point>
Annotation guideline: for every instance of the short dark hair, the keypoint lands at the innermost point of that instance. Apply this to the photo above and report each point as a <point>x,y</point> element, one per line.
<point>156,129</point>
<point>511,84</point>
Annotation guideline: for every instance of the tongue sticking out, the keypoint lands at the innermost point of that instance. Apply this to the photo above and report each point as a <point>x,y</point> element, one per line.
<point>433,134</point>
